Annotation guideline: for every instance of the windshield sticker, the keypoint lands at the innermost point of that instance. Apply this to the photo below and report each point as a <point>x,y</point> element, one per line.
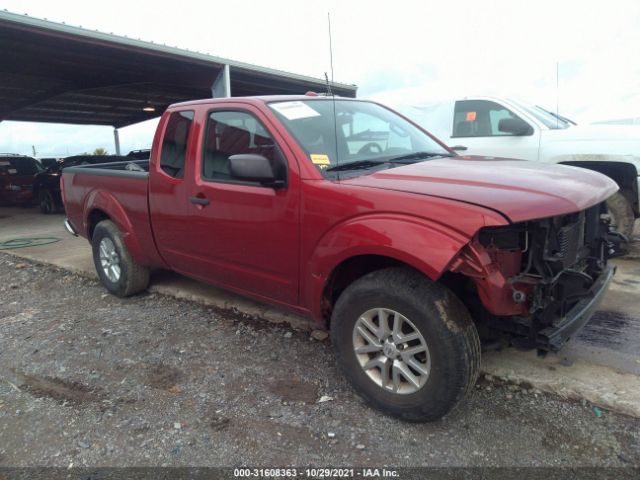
<point>471,116</point>
<point>4,163</point>
<point>294,110</point>
<point>12,171</point>
<point>320,159</point>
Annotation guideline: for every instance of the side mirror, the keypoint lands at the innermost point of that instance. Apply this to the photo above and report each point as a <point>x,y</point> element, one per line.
<point>514,126</point>
<point>254,168</point>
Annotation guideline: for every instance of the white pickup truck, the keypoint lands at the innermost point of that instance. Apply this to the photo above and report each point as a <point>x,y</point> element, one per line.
<point>509,128</point>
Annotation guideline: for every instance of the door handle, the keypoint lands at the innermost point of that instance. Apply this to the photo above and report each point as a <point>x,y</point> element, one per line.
<point>459,148</point>
<point>199,201</point>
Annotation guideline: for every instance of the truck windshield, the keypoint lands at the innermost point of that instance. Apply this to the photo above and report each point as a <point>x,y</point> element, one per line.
<point>340,134</point>
<point>547,118</point>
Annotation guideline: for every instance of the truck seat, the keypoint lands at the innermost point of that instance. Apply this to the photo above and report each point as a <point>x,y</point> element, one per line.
<point>174,147</point>
<point>233,140</point>
<point>463,129</point>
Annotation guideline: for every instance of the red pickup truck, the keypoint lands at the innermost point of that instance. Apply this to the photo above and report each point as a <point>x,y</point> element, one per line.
<point>347,212</point>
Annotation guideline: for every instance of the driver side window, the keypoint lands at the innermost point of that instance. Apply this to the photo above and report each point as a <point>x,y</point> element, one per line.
<point>479,118</point>
<point>233,132</point>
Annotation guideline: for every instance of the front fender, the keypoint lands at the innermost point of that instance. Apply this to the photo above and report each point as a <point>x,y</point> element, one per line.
<point>424,245</point>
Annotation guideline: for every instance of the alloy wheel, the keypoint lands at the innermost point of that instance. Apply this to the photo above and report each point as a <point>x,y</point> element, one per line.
<point>391,351</point>
<point>110,260</point>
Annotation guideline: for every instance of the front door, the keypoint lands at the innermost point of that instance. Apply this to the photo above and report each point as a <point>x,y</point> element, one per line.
<point>244,235</point>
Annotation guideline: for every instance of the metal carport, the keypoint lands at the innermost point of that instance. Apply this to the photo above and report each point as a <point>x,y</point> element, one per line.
<point>53,72</point>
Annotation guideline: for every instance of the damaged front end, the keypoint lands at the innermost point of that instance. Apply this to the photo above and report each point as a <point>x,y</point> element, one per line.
<point>538,282</point>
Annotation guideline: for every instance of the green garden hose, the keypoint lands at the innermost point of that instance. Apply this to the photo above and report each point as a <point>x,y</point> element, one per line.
<point>27,242</point>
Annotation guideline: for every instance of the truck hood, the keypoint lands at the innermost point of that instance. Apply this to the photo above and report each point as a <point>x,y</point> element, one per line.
<point>517,189</point>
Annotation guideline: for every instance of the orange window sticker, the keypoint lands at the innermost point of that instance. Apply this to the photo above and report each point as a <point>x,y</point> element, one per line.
<point>320,159</point>
<point>471,116</point>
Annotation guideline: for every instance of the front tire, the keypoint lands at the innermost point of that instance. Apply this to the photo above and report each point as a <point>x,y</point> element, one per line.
<point>117,270</point>
<point>406,344</point>
<point>621,213</point>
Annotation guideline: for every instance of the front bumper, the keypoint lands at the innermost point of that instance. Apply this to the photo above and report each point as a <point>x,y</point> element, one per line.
<point>554,337</point>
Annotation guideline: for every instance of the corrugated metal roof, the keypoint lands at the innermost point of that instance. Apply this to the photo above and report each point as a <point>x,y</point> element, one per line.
<point>53,72</point>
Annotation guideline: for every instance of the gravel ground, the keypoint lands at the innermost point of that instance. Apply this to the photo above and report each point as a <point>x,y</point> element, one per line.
<point>92,380</point>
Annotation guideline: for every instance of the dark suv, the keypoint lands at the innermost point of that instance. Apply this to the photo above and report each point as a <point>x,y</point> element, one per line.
<point>46,187</point>
<point>17,173</point>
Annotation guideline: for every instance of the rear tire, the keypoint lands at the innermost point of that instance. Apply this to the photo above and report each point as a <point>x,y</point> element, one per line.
<point>45,199</point>
<point>117,270</point>
<point>442,375</point>
<point>621,213</point>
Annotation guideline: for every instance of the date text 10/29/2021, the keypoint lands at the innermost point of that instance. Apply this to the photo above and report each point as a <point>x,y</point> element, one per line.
<point>315,473</point>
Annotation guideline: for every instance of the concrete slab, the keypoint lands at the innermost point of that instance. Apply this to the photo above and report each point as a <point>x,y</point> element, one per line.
<point>601,365</point>
<point>581,380</point>
<point>69,252</point>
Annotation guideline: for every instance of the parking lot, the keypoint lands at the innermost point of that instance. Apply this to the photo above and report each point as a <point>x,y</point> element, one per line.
<point>90,379</point>
<point>423,219</point>
<point>178,376</point>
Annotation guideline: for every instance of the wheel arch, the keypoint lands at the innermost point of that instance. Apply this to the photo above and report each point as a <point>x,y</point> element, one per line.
<point>347,272</point>
<point>361,246</point>
<point>623,173</point>
<point>101,205</point>
<point>93,219</point>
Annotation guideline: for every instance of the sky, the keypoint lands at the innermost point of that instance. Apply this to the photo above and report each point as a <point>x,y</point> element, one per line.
<point>398,52</point>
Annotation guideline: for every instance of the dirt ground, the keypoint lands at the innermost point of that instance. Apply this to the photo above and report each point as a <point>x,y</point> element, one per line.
<point>87,379</point>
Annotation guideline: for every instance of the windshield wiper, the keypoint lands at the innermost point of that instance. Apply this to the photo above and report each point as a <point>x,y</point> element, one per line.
<point>418,156</point>
<point>402,159</point>
<point>357,165</point>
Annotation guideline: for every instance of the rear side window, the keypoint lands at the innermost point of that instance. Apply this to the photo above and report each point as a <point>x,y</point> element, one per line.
<point>174,143</point>
<point>234,132</point>
<point>479,118</point>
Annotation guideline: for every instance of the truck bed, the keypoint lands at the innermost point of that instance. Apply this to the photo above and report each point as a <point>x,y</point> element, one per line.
<point>118,169</point>
<point>117,188</point>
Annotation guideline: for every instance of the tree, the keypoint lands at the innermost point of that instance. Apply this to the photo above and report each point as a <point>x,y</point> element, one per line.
<point>100,151</point>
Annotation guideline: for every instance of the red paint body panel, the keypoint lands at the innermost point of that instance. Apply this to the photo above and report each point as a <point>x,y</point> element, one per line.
<point>341,221</point>
<point>247,238</point>
<point>281,245</point>
<point>123,200</point>
<point>520,190</point>
<point>490,270</point>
